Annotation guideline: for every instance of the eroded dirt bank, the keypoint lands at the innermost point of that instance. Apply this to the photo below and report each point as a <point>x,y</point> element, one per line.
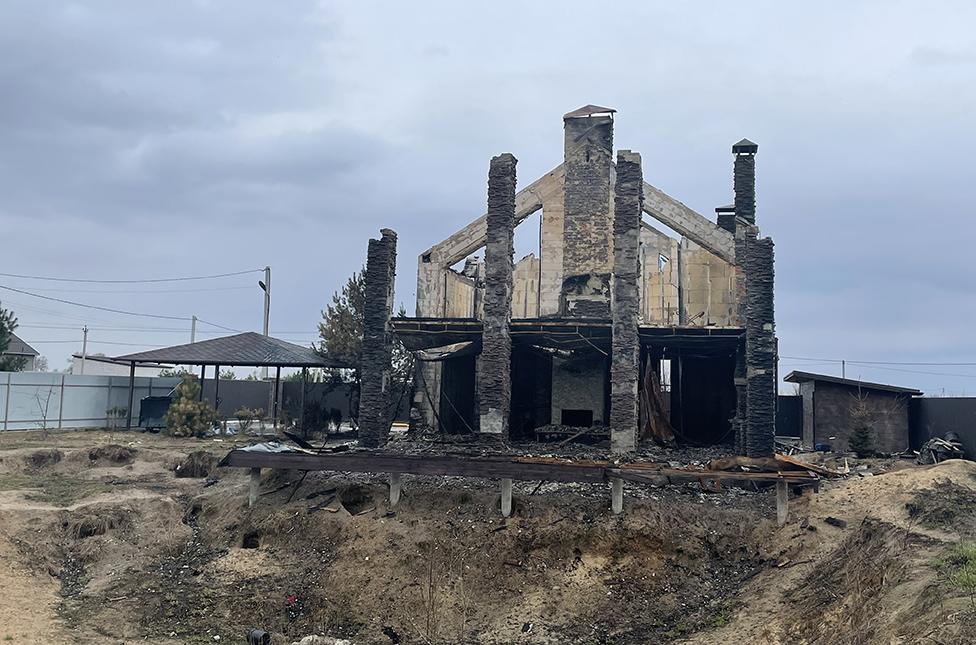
<point>105,544</point>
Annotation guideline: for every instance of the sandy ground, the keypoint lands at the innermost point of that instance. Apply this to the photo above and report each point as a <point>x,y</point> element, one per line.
<point>101,543</point>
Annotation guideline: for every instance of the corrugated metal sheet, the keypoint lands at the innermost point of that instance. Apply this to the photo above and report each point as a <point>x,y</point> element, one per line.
<point>249,349</point>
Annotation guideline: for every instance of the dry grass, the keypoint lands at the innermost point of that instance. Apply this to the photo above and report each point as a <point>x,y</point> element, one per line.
<point>57,490</point>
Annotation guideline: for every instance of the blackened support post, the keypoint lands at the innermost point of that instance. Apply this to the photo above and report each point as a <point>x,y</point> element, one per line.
<point>277,396</point>
<point>216,401</point>
<point>302,417</point>
<point>625,304</point>
<point>494,375</point>
<point>132,388</point>
<point>376,358</point>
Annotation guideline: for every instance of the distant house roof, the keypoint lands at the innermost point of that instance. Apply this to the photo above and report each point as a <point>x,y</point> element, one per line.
<point>249,349</point>
<point>17,347</point>
<point>801,377</point>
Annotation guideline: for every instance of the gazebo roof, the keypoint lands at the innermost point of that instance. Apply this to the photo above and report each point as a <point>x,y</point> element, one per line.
<point>249,349</point>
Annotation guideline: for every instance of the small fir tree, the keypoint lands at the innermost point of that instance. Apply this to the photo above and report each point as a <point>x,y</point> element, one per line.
<point>187,416</point>
<point>861,440</point>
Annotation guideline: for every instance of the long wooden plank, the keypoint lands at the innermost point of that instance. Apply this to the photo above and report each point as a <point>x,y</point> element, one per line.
<point>417,465</point>
<point>494,467</point>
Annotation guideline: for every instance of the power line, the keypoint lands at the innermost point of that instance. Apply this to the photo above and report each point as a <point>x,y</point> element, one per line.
<point>147,292</point>
<point>895,369</point>
<point>180,279</point>
<point>849,362</point>
<point>81,304</point>
<point>115,311</point>
<point>218,326</point>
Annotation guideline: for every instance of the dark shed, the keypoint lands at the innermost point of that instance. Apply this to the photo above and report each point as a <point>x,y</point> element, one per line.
<point>833,405</point>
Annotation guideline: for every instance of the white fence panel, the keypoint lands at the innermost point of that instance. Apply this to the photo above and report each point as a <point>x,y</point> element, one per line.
<point>33,400</point>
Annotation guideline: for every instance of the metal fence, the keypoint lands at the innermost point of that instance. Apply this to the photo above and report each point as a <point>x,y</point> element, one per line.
<point>36,400</point>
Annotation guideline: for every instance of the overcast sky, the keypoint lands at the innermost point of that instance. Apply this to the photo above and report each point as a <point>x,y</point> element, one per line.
<point>156,139</point>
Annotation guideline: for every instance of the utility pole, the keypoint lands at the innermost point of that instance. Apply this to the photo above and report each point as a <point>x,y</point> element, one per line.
<point>273,391</point>
<point>266,287</point>
<point>84,347</point>
<point>193,330</point>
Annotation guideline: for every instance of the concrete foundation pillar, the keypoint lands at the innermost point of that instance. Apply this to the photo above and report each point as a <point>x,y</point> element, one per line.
<point>506,497</point>
<point>617,495</point>
<point>396,483</point>
<point>494,378</point>
<point>376,355</point>
<point>625,306</point>
<point>782,502</point>
<point>254,486</point>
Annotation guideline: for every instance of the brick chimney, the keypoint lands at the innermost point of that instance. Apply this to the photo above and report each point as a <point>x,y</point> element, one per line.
<point>588,214</point>
<point>744,179</point>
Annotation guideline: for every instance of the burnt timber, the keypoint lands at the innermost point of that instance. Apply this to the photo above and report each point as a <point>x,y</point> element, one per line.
<point>499,467</point>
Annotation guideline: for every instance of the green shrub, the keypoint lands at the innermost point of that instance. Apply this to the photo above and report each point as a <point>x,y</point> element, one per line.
<point>187,416</point>
<point>246,416</point>
<point>861,441</point>
<point>960,569</point>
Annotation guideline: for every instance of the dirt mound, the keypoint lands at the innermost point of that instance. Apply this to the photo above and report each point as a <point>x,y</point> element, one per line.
<point>197,464</point>
<point>89,522</point>
<point>841,602</point>
<point>43,458</point>
<point>111,455</point>
<point>948,506</point>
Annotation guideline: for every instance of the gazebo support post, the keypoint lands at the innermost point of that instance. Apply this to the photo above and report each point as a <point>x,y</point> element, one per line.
<point>277,402</point>
<point>203,375</point>
<point>217,391</point>
<point>132,387</point>
<point>304,385</point>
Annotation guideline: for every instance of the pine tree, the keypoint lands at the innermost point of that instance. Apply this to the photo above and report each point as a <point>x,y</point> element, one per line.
<point>8,323</point>
<point>341,331</point>
<point>187,416</point>
<point>861,439</point>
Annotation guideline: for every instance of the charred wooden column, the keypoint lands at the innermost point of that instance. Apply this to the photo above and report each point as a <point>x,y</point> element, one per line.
<point>625,303</point>
<point>376,355</point>
<point>494,374</point>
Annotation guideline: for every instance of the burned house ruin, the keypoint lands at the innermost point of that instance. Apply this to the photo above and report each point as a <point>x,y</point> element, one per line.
<point>615,325</point>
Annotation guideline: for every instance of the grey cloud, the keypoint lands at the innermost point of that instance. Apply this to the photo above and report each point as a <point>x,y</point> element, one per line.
<point>146,139</point>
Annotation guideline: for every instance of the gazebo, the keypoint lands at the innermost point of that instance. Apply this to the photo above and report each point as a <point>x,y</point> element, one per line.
<point>248,349</point>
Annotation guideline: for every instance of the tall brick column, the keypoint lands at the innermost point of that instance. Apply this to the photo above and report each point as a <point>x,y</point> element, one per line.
<point>376,356</point>
<point>760,349</point>
<point>740,421</point>
<point>744,180</point>
<point>587,216</point>
<point>494,375</point>
<point>625,304</point>
<point>741,222</point>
